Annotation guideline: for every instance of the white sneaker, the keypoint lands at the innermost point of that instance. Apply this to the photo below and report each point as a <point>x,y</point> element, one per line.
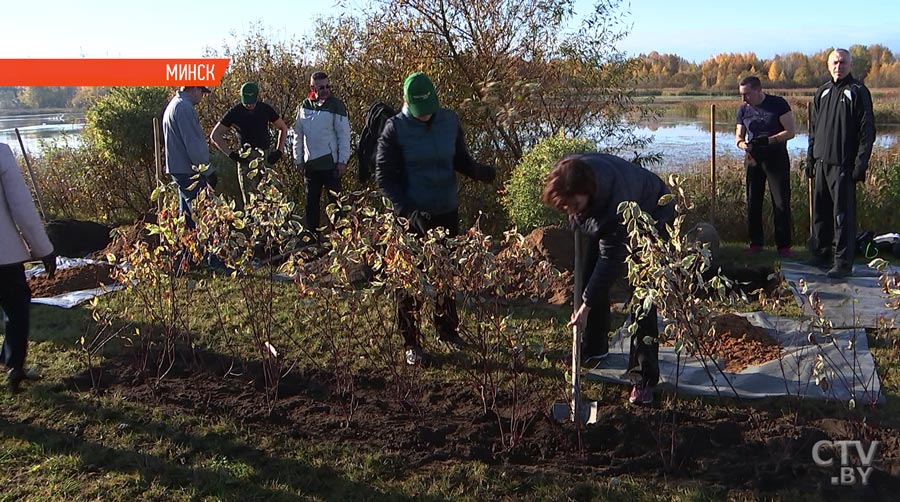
<point>416,356</point>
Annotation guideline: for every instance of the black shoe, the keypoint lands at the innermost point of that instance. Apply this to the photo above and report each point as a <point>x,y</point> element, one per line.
<point>818,261</point>
<point>839,272</point>
<point>455,341</point>
<point>15,377</point>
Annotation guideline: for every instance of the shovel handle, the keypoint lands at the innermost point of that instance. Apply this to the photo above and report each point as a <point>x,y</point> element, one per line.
<point>576,333</point>
<point>34,183</point>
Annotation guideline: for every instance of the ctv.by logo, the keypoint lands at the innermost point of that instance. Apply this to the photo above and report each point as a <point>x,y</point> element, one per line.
<point>848,470</point>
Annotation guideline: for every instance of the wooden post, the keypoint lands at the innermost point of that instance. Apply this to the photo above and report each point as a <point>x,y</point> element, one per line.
<point>156,158</point>
<point>712,162</point>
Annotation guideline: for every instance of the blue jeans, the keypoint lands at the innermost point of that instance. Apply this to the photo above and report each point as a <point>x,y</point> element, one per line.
<point>187,193</point>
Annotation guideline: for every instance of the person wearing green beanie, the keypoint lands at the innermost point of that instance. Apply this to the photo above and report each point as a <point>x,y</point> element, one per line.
<point>250,119</point>
<point>419,152</point>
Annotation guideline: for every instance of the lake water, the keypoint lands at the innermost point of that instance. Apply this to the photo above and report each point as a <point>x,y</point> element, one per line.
<point>681,141</point>
<point>34,128</point>
<point>684,142</point>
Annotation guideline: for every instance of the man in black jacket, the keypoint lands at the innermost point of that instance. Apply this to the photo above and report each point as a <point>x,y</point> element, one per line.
<point>841,135</point>
<point>590,187</point>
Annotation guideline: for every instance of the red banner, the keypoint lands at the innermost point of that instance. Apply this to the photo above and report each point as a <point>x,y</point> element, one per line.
<point>112,72</point>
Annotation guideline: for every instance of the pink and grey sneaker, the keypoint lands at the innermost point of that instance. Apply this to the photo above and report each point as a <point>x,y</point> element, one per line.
<point>785,252</point>
<point>641,396</point>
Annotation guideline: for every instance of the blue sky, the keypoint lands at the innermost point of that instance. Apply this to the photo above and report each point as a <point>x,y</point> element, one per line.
<point>694,29</point>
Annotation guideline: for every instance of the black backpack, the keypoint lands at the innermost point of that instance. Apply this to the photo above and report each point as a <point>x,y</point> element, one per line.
<point>376,117</point>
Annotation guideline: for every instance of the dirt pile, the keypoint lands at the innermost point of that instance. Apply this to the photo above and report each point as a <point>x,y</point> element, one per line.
<point>70,279</point>
<point>553,244</point>
<point>742,344</point>
<point>556,247</point>
<point>125,236</point>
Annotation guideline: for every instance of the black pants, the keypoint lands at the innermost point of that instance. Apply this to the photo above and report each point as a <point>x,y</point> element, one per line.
<point>248,184</point>
<point>316,181</point>
<point>643,358</point>
<point>15,299</point>
<point>446,318</point>
<point>834,214</point>
<point>773,166</point>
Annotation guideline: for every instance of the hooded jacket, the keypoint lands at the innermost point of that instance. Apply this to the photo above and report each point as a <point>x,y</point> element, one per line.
<point>617,181</point>
<point>22,236</point>
<point>321,134</point>
<point>186,145</point>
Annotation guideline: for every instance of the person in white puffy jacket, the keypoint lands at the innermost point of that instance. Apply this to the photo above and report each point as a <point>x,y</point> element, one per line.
<point>22,238</point>
<point>321,144</point>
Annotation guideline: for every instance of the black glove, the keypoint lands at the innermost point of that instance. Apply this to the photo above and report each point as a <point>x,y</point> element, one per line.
<point>859,173</point>
<point>419,221</point>
<point>234,156</point>
<point>810,168</point>
<point>50,264</point>
<point>759,141</point>
<point>274,156</point>
<point>751,147</point>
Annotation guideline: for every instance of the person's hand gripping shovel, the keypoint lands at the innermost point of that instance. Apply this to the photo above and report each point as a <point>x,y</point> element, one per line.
<point>576,410</point>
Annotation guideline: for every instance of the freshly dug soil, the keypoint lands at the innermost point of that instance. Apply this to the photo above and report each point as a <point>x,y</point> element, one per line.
<point>432,424</point>
<point>71,279</point>
<point>743,344</point>
<point>553,244</point>
<point>557,246</point>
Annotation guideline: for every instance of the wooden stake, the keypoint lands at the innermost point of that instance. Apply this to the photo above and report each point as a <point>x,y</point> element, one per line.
<point>712,162</point>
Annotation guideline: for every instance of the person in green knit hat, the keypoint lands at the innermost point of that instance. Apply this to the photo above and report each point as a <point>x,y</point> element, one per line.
<point>250,119</point>
<point>419,152</point>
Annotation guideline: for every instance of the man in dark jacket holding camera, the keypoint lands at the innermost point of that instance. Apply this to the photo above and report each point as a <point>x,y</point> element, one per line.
<point>841,135</point>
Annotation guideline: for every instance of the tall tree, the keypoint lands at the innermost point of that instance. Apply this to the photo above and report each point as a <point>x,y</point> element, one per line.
<point>510,68</point>
<point>861,62</point>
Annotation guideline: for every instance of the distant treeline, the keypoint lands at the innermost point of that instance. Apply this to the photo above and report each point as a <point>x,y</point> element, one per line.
<point>875,64</point>
<point>34,98</point>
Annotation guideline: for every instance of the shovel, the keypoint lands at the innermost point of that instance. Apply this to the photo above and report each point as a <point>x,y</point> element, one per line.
<point>576,410</point>
<point>34,183</point>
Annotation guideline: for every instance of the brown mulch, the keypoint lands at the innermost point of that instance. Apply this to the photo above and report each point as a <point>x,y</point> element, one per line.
<point>742,344</point>
<point>70,279</point>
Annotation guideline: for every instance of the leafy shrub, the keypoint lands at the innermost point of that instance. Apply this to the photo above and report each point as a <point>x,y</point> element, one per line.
<point>120,124</point>
<point>110,176</point>
<point>522,199</point>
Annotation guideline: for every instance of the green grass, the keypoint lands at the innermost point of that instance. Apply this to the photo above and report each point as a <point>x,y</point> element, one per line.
<point>57,444</point>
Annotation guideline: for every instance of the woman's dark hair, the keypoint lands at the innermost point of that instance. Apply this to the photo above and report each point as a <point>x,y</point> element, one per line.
<point>570,176</point>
